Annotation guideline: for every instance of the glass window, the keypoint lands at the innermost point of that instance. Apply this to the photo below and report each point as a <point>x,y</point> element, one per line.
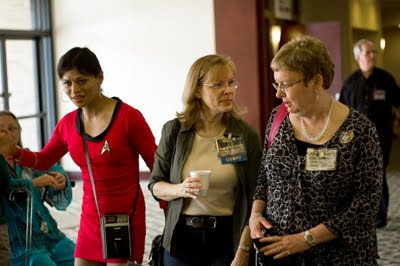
<point>26,67</point>
<point>21,77</point>
<point>29,140</point>
<point>15,14</point>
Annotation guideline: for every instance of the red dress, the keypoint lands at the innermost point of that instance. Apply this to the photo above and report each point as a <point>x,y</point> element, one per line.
<point>115,170</point>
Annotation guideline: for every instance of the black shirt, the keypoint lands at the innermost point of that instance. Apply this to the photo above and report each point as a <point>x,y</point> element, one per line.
<point>374,97</point>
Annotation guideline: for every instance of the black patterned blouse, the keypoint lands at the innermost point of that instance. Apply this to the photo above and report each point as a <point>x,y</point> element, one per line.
<point>345,200</point>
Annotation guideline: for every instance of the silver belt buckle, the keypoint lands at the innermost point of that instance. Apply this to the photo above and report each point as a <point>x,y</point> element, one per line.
<point>214,219</point>
<point>196,220</point>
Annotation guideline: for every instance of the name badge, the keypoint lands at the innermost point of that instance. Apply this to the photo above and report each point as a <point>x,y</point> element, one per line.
<point>379,95</point>
<point>321,159</point>
<point>231,149</point>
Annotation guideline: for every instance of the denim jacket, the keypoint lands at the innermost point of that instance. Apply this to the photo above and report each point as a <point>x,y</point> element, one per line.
<point>171,155</point>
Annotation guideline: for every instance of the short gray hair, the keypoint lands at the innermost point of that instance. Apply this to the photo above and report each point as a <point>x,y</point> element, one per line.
<point>357,46</point>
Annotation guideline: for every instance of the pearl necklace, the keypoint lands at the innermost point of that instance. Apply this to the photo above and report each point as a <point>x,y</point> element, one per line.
<point>321,134</point>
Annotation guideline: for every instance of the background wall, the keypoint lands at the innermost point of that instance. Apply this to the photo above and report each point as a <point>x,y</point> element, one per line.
<point>145,49</point>
<point>391,32</point>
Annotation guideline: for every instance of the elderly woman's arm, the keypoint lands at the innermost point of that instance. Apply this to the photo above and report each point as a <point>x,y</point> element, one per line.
<point>355,223</point>
<point>283,246</point>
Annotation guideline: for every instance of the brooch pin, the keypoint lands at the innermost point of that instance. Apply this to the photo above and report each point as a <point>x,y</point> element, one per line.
<point>106,147</point>
<point>347,137</point>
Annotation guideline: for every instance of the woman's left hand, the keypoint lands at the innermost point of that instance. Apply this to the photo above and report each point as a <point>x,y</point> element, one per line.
<point>60,178</point>
<point>241,258</point>
<point>284,246</point>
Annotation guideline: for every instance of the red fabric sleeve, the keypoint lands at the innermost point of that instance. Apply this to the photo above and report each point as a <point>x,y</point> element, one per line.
<point>142,138</point>
<point>54,150</point>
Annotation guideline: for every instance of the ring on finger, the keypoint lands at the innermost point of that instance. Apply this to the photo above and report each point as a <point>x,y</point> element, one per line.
<point>280,248</point>
<point>288,252</point>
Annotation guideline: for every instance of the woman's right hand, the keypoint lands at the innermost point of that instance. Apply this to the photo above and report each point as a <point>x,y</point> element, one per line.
<point>256,224</point>
<point>189,188</point>
<point>46,180</point>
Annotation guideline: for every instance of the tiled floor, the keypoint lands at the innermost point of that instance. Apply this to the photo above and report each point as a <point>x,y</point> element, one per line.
<point>388,237</point>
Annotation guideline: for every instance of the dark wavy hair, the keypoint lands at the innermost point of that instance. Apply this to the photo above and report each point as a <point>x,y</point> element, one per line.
<point>81,59</point>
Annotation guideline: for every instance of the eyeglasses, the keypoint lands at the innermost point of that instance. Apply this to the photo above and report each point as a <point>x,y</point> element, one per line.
<point>233,84</point>
<point>10,128</point>
<point>284,87</point>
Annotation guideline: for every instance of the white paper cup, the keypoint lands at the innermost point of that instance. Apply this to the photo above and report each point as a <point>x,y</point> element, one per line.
<point>204,180</point>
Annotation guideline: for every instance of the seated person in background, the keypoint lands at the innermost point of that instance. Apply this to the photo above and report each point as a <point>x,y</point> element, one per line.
<point>49,245</point>
<point>4,240</point>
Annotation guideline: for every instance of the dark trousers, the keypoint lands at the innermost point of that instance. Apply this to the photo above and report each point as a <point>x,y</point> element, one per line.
<point>201,246</point>
<point>384,204</point>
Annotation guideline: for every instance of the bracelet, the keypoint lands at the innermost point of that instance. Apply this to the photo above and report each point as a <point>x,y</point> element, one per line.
<point>246,248</point>
<point>254,215</point>
<point>309,238</point>
<point>36,160</point>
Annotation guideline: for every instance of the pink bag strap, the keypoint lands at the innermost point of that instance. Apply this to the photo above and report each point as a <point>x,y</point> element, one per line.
<point>280,115</point>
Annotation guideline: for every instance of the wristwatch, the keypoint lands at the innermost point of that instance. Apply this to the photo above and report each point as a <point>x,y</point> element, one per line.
<point>309,238</point>
<point>245,248</point>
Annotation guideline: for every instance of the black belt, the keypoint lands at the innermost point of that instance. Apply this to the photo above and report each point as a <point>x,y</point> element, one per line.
<point>205,221</point>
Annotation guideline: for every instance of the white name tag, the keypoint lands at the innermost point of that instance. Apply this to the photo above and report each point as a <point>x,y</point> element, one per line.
<point>321,159</point>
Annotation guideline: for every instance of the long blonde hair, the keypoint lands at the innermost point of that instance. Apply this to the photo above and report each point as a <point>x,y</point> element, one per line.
<point>195,78</point>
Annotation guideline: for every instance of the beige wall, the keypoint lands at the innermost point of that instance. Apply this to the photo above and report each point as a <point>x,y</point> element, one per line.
<point>391,32</point>
<point>391,55</point>
<point>365,14</point>
<point>145,49</point>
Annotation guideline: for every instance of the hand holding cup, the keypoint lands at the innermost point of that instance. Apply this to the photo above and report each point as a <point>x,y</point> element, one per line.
<point>190,187</point>
<point>204,176</point>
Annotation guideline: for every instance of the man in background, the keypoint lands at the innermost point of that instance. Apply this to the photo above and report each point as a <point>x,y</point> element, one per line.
<point>373,92</point>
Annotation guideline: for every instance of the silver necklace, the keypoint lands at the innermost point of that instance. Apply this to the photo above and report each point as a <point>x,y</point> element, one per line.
<point>318,136</point>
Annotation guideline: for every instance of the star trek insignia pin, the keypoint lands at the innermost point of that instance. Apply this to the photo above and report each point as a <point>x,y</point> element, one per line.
<point>347,137</point>
<point>106,147</point>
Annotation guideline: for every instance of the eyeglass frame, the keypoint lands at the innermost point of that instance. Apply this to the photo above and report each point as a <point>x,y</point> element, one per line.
<point>233,84</point>
<point>284,87</point>
<point>11,128</point>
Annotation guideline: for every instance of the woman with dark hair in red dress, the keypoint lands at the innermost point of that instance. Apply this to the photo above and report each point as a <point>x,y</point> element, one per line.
<point>116,134</point>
